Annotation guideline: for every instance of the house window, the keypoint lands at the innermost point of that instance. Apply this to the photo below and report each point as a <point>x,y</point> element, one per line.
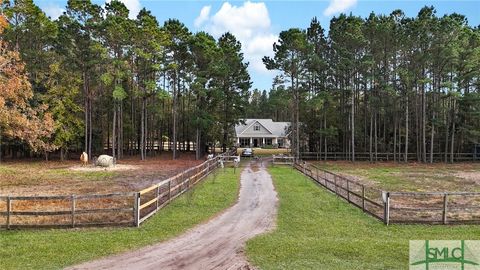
<point>256,128</point>
<point>268,141</point>
<point>244,142</point>
<point>280,142</point>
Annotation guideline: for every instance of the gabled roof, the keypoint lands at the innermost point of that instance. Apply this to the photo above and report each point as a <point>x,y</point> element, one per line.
<point>277,129</point>
<point>255,121</point>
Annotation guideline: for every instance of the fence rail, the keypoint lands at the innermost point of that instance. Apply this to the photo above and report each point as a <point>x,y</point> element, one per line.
<point>118,209</point>
<point>385,156</point>
<point>282,159</point>
<point>66,211</point>
<point>151,199</point>
<point>399,207</point>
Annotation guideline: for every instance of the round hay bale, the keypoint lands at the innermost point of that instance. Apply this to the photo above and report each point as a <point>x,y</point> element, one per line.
<point>105,161</point>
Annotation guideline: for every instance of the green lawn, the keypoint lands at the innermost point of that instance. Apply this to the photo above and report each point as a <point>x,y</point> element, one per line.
<point>54,249</point>
<point>316,230</point>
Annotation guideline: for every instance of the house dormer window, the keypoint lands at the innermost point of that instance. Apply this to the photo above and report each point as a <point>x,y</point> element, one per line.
<point>256,128</point>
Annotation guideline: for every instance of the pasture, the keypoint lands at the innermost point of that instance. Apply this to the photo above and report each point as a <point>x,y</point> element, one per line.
<point>68,177</point>
<point>415,177</point>
<point>55,191</point>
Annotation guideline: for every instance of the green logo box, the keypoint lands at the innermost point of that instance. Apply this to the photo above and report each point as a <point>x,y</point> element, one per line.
<point>444,255</point>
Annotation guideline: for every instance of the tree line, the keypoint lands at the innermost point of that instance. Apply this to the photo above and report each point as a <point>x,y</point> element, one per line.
<point>95,79</point>
<point>385,83</point>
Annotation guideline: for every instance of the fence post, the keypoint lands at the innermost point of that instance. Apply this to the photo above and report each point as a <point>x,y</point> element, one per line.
<point>169,189</point>
<point>136,209</point>
<point>348,190</point>
<point>363,198</point>
<point>335,182</point>
<point>445,202</point>
<point>156,195</point>
<point>9,209</point>
<point>73,210</point>
<point>386,207</point>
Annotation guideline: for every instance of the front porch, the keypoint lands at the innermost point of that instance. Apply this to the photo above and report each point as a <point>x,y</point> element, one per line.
<point>256,142</point>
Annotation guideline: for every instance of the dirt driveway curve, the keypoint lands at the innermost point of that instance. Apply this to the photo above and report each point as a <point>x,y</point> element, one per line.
<point>217,244</point>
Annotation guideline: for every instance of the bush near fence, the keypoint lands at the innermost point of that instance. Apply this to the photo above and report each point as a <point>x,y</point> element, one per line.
<point>400,207</point>
<point>114,209</point>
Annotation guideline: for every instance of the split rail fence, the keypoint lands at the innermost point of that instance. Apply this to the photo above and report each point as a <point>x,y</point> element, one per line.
<point>114,209</point>
<point>399,207</point>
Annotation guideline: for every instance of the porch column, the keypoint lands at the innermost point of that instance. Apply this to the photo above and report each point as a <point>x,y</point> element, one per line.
<point>263,141</point>
<point>250,142</point>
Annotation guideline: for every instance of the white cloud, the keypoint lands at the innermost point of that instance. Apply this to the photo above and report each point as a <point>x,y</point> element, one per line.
<point>251,25</point>
<point>337,6</point>
<point>53,11</point>
<point>133,6</point>
<point>203,17</point>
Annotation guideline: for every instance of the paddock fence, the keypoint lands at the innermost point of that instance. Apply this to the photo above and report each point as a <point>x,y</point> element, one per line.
<point>399,207</point>
<point>387,156</point>
<point>87,210</point>
<point>282,160</point>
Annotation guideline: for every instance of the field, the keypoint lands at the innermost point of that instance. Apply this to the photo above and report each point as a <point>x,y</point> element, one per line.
<point>410,177</point>
<point>27,178</point>
<point>317,230</point>
<point>64,178</point>
<point>54,249</point>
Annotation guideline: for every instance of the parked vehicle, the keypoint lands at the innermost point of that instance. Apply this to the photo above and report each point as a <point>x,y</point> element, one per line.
<point>247,152</point>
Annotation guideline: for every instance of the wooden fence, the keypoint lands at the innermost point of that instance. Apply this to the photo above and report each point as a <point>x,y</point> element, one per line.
<point>282,160</point>
<point>66,211</point>
<point>366,198</point>
<point>400,207</point>
<point>365,156</point>
<point>114,209</point>
<point>229,158</point>
<point>148,201</point>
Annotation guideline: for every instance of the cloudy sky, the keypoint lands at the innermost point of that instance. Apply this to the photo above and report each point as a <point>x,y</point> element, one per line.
<point>257,23</point>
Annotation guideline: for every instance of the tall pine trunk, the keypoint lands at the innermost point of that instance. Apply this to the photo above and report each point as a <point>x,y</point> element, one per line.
<point>406,127</point>
<point>353,124</point>
<point>114,127</point>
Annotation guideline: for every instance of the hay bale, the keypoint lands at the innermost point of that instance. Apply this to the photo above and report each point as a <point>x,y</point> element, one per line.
<point>105,161</point>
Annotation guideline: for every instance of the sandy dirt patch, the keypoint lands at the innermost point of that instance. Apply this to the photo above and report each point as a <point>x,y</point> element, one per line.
<point>471,176</point>
<point>217,244</point>
<point>91,168</point>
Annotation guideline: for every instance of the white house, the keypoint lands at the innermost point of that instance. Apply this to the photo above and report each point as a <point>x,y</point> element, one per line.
<point>262,132</point>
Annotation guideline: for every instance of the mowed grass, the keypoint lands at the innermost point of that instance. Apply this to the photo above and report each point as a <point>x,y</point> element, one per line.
<point>412,176</point>
<point>316,230</point>
<point>55,249</point>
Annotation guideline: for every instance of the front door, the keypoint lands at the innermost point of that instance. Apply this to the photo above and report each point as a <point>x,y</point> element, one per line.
<point>255,142</point>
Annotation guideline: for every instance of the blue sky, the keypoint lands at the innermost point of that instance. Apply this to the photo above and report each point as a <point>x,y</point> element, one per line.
<point>257,23</point>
